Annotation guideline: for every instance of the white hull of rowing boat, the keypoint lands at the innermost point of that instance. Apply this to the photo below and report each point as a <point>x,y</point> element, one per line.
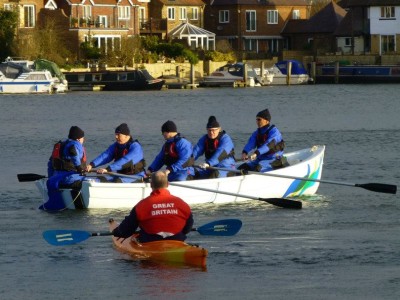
<point>304,163</point>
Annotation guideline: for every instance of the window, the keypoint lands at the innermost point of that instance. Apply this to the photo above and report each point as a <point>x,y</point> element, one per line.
<point>102,20</point>
<point>124,12</point>
<point>182,13</point>
<point>250,20</point>
<point>250,45</point>
<point>171,13</point>
<point>29,16</point>
<point>387,12</point>
<point>87,11</point>
<point>347,42</point>
<point>388,43</point>
<point>224,16</point>
<point>272,17</point>
<point>9,6</point>
<point>195,13</point>
<point>295,14</point>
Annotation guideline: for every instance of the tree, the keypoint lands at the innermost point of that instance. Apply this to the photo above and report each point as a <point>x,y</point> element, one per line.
<point>8,27</point>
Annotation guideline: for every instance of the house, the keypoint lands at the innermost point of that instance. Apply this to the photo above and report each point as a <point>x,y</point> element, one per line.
<point>253,26</point>
<point>317,33</point>
<point>165,15</point>
<point>28,15</point>
<point>372,26</point>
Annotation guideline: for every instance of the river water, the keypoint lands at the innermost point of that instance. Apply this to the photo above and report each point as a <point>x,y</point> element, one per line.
<point>343,244</point>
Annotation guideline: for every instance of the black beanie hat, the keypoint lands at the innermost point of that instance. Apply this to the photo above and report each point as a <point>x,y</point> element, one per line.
<point>75,133</point>
<point>264,114</point>
<point>123,129</point>
<point>169,126</point>
<point>212,122</point>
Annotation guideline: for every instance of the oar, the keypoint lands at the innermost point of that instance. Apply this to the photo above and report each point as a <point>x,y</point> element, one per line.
<point>375,187</point>
<point>62,237</point>
<point>281,202</point>
<point>29,177</point>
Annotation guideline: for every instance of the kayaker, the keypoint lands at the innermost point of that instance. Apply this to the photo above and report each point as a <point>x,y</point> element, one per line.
<point>267,144</point>
<point>159,216</point>
<point>218,149</point>
<point>176,154</point>
<point>126,155</point>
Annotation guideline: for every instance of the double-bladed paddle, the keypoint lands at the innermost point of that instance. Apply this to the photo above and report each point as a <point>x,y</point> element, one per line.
<point>62,237</point>
<point>375,187</point>
<point>280,202</point>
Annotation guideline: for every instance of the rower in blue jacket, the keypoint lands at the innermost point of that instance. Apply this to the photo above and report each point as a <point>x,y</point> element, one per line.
<point>267,144</point>
<point>218,149</point>
<point>175,154</point>
<point>126,155</point>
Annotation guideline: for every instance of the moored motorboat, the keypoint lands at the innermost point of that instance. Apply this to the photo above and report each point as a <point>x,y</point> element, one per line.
<point>167,251</point>
<point>306,163</point>
<point>28,77</point>
<point>279,71</point>
<point>229,75</point>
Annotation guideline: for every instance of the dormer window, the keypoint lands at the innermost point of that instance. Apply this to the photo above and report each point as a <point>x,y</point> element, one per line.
<point>124,12</point>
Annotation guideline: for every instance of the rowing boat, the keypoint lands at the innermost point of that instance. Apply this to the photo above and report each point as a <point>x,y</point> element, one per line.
<point>169,251</point>
<point>306,163</point>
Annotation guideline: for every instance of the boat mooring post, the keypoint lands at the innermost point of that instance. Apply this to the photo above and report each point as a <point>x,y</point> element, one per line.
<point>245,74</point>
<point>313,71</point>
<point>289,72</point>
<point>192,85</point>
<point>337,72</point>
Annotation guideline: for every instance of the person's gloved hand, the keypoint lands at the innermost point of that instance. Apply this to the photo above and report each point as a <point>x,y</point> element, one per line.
<point>204,165</point>
<point>253,156</point>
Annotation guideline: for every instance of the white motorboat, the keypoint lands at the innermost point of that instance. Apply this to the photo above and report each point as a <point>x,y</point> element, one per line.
<point>306,163</point>
<point>279,72</point>
<point>22,76</point>
<point>231,74</point>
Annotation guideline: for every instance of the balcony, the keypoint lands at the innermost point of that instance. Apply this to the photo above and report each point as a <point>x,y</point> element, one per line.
<point>153,25</point>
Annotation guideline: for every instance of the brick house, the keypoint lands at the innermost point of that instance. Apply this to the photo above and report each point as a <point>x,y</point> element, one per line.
<point>28,14</point>
<point>165,15</point>
<point>253,26</point>
<point>317,33</point>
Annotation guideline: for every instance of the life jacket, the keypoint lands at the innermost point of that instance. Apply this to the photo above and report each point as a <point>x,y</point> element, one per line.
<point>273,147</point>
<point>171,155</point>
<point>211,145</point>
<point>129,167</point>
<point>60,163</point>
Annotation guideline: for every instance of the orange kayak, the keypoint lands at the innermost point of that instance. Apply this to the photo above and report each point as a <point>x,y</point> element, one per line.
<point>169,251</point>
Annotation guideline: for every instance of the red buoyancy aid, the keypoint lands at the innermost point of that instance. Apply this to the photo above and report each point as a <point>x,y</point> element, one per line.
<point>60,163</point>
<point>262,138</point>
<point>211,145</point>
<point>129,167</point>
<point>162,212</point>
<point>120,152</point>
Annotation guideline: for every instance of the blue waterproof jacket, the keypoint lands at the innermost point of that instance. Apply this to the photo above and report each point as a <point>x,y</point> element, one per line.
<point>183,150</point>
<point>223,155</point>
<point>267,149</point>
<point>133,156</point>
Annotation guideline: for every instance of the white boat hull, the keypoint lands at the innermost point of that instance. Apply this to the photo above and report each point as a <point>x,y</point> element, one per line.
<point>304,163</point>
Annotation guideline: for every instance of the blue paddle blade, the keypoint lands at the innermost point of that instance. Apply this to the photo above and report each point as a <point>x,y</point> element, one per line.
<point>225,227</point>
<point>65,237</point>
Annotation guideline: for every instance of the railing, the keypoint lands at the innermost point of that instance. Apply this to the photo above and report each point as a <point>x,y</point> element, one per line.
<point>151,25</point>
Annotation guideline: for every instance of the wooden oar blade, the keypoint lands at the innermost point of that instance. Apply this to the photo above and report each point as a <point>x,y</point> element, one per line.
<point>282,202</point>
<point>29,177</point>
<point>225,227</point>
<point>61,237</point>
<point>379,187</point>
